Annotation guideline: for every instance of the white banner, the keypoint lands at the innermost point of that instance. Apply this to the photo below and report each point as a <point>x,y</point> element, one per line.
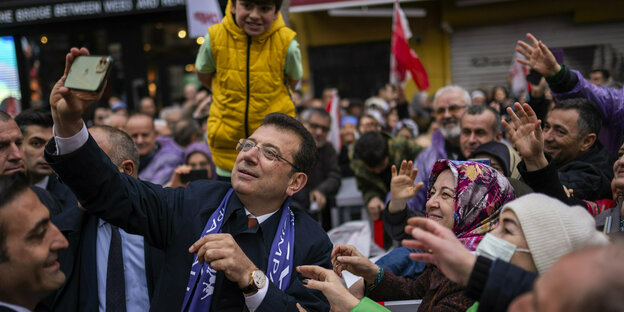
<point>202,14</point>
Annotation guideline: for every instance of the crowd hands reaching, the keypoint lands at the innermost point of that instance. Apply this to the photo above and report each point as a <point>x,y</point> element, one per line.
<point>567,178</point>
<point>494,202</point>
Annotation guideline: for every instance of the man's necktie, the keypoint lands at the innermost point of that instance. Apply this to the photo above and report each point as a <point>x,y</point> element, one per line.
<point>115,281</point>
<point>251,222</point>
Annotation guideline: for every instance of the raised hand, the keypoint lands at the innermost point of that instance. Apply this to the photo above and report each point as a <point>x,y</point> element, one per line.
<point>348,258</point>
<point>526,136</point>
<point>538,56</point>
<point>402,186</point>
<point>441,247</point>
<point>69,105</point>
<point>176,179</point>
<point>326,281</point>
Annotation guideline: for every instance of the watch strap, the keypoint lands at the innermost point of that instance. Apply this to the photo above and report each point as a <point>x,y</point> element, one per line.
<point>252,287</point>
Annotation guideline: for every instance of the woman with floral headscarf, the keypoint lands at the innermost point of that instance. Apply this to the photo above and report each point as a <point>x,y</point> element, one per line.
<point>480,191</point>
<point>463,196</point>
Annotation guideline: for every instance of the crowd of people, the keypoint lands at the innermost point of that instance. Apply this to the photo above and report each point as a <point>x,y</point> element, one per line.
<point>222,202</point>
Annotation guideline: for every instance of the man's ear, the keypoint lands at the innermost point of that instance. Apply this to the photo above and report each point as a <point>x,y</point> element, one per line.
<point>499,136</point>
<point>587,142</point>
<point>296,183</point>
<point>127,167</point>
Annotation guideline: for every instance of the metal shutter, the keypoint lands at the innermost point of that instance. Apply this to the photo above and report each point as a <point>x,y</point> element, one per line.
<point>481,56</point>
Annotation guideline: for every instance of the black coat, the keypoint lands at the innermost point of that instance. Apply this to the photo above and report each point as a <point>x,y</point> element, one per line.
<point>497,283</point>
<point>589,175</point>
<point>66,198</point>
<point>506,282</point>
<point>48,200</point>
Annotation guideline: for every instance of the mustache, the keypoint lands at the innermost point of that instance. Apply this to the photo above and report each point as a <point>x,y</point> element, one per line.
<point>551,145</point>
<point>449,120</point>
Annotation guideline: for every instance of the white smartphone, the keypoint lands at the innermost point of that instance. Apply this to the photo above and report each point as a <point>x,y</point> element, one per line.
<point>89,72</point>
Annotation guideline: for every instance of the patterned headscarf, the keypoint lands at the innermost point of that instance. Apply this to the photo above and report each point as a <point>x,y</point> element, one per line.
<point>480,193</point>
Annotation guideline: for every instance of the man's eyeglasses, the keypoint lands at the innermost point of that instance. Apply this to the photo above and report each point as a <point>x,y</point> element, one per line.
<point>315,126</point>
<point>453,109</point>
<point>268,152</point>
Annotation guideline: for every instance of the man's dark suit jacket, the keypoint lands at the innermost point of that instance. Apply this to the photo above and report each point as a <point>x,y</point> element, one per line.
<point>78,262</point>
<point>66,198</point>
<point>173,219</point>
<point>48,200</point>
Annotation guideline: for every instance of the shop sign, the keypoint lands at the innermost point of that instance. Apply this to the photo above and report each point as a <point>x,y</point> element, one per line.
<point>202,14</point>
<point>63,10</point>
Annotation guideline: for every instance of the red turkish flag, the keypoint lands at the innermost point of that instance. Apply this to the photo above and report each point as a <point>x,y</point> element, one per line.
<point>403,59</point>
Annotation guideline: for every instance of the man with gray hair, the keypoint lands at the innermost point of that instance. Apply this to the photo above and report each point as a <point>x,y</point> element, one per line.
<point>449,104</point>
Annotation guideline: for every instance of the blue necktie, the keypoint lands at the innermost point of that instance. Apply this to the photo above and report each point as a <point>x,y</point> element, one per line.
<point>115,281</point>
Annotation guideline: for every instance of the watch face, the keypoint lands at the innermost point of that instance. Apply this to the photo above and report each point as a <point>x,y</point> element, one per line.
<point>259,279</point>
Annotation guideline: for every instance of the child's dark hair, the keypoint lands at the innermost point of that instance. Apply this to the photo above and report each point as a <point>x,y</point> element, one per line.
<point>277,3</point>
<point>372,148</point>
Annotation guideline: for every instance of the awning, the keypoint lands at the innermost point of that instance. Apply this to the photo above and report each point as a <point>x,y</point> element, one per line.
<point>298,6</point>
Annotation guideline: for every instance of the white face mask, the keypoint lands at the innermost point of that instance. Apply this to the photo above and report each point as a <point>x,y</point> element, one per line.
<point>493,248</point>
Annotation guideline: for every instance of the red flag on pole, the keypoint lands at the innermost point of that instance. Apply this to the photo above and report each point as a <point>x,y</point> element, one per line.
<point>333,109</point>
<point>403,58</point>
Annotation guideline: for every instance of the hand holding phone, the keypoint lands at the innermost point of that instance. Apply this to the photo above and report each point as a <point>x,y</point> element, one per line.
<point>89,72</point>
<point>68,105</point>
<point>197,174</point>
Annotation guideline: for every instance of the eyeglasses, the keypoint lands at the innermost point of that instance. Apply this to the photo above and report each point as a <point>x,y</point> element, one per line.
<point>453,109</point>
<point>315,126</point>
<point>270,153</point>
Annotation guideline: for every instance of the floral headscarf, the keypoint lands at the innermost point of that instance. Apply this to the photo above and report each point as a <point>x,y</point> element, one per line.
<point>480,193</point>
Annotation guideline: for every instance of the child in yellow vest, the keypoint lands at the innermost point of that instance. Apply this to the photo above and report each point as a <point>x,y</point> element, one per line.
<point>250,61</point>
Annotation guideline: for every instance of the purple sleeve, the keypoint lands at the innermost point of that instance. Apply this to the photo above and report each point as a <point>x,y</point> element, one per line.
<point>611,104</point>
<point>160,170</point>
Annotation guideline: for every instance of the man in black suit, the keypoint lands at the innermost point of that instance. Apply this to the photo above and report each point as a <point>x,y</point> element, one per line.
<point>36,127</point>
<point>244,240</point>
<point>87,262</point>
<point>29,245</point>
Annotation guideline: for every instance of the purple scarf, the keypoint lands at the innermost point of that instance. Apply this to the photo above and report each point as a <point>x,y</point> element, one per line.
<point>280,259</point>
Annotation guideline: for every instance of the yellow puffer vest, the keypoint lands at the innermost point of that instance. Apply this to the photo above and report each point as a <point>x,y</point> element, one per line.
<point>248,84</point>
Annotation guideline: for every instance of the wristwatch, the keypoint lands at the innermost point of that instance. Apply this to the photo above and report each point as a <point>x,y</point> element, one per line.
<point>257,279</point>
